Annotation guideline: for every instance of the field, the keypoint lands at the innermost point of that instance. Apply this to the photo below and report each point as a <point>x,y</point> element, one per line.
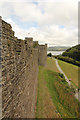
<point>71,71</point>
<point>54,97</point>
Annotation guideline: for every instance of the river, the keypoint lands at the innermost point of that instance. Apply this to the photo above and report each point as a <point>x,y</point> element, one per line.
<point>55,52</point>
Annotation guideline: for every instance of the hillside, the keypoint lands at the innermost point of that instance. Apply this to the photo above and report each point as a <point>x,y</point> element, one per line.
<point>71,55</point>
<point>73,52</point>
<point>58,48</point>
<point>71,71</point>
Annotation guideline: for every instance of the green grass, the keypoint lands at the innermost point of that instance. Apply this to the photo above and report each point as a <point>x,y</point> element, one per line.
<point>51,65</point>
<point>54,94</point>
<point>71,71</point>
<point>45,106</point>
<point>56,91</point>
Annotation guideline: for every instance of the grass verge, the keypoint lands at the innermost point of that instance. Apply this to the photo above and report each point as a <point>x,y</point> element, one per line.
<point>71,71</point>
<point>45,107</point>
<point>51,65</point>
<point>55,99</point>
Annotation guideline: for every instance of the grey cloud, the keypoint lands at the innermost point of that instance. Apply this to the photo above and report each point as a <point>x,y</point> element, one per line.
<point>53,16</point>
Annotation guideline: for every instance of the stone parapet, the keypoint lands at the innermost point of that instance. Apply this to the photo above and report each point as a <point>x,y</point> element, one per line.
<point>19,60</point>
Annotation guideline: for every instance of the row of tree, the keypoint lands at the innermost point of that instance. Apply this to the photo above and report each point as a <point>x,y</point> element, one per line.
<point>71,55</point>
<point>68,59</point>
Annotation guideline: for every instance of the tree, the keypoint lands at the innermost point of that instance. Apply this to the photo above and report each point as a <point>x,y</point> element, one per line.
<point>49,54</point>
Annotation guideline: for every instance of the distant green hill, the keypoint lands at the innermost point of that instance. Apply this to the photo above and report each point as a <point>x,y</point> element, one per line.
<point>71,55</point>
<point>73,52</point>
<point>58,48</point>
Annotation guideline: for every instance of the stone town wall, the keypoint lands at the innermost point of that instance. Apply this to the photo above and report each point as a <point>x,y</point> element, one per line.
<point>42,51</point>
<point>19,74</point>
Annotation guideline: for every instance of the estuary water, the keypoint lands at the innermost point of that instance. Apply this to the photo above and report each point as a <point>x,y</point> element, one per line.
<point>55,52</point>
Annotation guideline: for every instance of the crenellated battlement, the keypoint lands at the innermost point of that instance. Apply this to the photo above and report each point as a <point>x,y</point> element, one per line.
<point>20,60</point>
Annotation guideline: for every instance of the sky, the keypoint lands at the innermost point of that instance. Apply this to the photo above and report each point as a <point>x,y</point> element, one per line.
<point>54,22</point>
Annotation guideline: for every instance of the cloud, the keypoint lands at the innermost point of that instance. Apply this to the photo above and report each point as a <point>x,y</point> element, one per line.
<point>53,35</point>
<point>49,15</point>
<point>44,13</point>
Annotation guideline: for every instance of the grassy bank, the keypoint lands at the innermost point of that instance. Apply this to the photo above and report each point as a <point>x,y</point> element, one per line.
<point>68,60</point>
<point>51,65</point>
<point>71,71</point>
<point>45,106</point>
<point>55,99</point>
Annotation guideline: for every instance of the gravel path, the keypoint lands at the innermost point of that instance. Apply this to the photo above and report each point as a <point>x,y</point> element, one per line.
<point>62,72</point>
<point>77,94</point>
